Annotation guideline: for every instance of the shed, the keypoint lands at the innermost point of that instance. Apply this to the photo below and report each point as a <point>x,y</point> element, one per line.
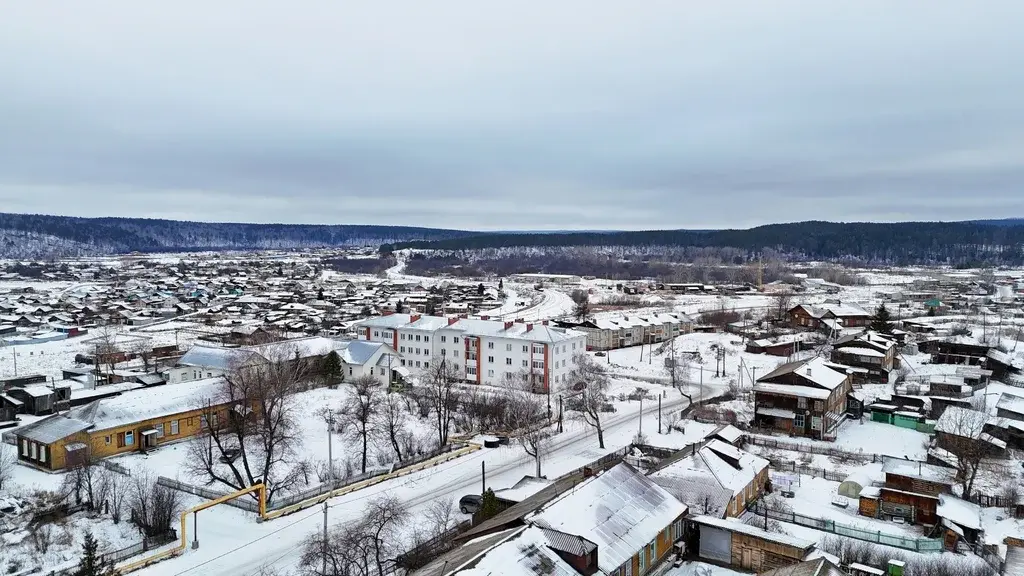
<point>852,486</point>
<point>736,544</point>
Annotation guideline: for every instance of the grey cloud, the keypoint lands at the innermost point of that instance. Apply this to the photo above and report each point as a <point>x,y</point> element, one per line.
<point>576,114</point>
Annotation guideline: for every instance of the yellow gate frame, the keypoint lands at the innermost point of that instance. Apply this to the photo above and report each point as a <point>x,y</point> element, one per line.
<point>261,492</point>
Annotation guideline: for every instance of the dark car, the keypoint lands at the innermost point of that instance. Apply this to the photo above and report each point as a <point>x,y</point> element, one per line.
<point>470,504</point>
<point>229,455</point>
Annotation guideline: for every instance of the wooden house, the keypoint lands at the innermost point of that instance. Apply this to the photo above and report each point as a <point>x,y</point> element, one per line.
<point>739,545</point>
<point>804,398</point>
<point>871,351</point>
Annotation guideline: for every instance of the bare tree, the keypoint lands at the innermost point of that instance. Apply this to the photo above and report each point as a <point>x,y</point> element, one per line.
<point>960,432</point>
<point>250,434</point>
<point>8,460</point>
<point>391,420</point>
<point>142,348</point>
<point>526,416</point>
<point>153,506</point>
<point>443,394</point>
<point>677,368</point>
<point>106,350</point>
<point>581,304</point>
<point>111,493</point>
<point>591,379</point>
<point>361,409</point>
<point>81,482</point>
<point>781,303</point>
<point>369,546</point>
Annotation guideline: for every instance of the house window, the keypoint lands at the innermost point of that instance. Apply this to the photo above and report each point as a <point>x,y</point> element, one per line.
<point>818,405</point>
<point>24,446</point>
<point>798,421</point>
<point>174,427</point>
<point>371,370</point>
<point>678,528</point>
<point>458,353</point>
<point>417,350</point>
<point>801,403</point>
<point>627,570</point>
<point>159,430</point>
<point>129,438</point>
<point>654,552</point>
<point>34,451</point>
<point>42,454</point>
<point>643,560</point>
<point>490,359</point>
<point>350,369</point>
<point>508,361</point>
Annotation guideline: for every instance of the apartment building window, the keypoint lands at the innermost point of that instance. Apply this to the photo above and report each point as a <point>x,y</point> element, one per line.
<point>426,364</point>
<point>426,338</point>
<point>490,359</point>
<point>538,364</point>
<point>401,337</point>
<point>444,339</point>
<point>402,361</point>
<point>563,348</point>
<point>417,337</point>
<point>417,363</point>
<point>401,349</point>
<point>174,428</point>
<point>538,349</point>
<point>471,370</point>
<point>525,364</point>
<point>417,350</point>
<point>490,373</point>
<point>573,345</point>
<point>526,348</point>
<point>455,339</point>
<point>444,352</point>
<point>458,353</point>
<point>508,347</point>
<point>508,361</point>
<point>490,345</point>
<point>376,334</point>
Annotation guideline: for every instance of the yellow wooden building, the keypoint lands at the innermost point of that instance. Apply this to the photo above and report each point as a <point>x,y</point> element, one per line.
<point>135,421</point>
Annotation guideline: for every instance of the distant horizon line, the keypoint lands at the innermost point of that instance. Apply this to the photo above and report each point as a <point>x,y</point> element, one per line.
<point>1008,221</point>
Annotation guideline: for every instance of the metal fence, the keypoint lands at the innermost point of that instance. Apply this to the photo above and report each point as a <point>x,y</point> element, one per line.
<point>792,466</point>
<point>825,525</point>
<point>118,556</point>
<point>810,448</point>
<point>243,503</point>
<point>114,466</point>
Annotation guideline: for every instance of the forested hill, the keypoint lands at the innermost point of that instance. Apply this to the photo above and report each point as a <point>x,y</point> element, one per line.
<point>33,236</point>
<point>957,243</point>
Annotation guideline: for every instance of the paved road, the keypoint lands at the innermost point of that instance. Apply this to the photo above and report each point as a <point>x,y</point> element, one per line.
<point>224,531</point>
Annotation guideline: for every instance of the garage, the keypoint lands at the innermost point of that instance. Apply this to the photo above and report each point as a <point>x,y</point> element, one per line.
<point>715,544</point>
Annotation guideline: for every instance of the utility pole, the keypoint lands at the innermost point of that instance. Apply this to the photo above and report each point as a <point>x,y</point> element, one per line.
<point>659,414</point>
<point>330,452</point>
<point>640,427</point>
<point>560,429</point>
<point>324,572</point>
<point>14,353</point>
<point>483,478</point>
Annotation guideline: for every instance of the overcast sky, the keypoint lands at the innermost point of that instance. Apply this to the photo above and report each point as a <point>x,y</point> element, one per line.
<point>589,114</point>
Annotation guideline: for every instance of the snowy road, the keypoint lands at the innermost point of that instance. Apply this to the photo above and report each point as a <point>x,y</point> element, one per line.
<point>233,543</point>
<point>553,304</point>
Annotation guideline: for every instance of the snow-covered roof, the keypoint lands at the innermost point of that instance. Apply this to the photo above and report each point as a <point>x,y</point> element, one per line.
<point>814,370</point>
<point>738,526</point>
<point>532,332</point>
<point>359,352</point>
<point>215,357</point>
<point>959,511</point>
<point>919,470</point>
<point>776,412</point>
<point>620,510</point>
<point>525,552</point>
<point>732,468</point>
<point>965,422</point>
<point>787,390</point>
<point>287,349</point>
<point>729,433</point>
<point>526,487</point>
<point>1011,402</point>
<point>860,351</point>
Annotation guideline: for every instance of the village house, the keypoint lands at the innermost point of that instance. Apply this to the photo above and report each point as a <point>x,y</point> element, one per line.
<point>803,398</point>
<point>615,522</point>
<point>873,352</point>
<point>829,318</point>
<point>136,421</point>
<point>911,492</point>
<point>718,479</point>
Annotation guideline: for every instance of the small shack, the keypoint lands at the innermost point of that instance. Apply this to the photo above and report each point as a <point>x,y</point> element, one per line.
<point>738,545</point>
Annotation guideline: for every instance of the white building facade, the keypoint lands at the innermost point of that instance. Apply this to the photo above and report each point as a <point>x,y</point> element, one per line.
<point>483,351</point>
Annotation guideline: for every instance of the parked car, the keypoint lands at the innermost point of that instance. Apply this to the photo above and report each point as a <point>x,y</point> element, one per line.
<point>599,354</point>
<point>470,503</point>
<point>230,455</point>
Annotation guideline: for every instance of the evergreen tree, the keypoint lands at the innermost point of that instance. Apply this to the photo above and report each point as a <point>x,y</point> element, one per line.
<point>399,307</point>
<point>489,507</point>
<point>480,289</point>
<point>331,368</point>
<point>501,284</point>
<point>320,294</point>
<point>882,321</point>
<point>92,562</point>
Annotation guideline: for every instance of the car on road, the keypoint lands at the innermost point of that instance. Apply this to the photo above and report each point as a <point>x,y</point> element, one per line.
<point>470,503</point>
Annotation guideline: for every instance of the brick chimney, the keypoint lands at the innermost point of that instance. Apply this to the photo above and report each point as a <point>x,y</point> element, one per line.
<point>414,318</point>
<point>529,327</point>
<point>519,320</point>
<point>387,313</point>
<point>453,320</point>
<point>508,325</point>
<point>485,317</point>
<point>545,322</point>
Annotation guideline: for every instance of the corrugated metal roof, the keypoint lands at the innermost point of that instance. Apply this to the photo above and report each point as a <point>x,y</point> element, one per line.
<point>621,511</point>
<point>568,543</point>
